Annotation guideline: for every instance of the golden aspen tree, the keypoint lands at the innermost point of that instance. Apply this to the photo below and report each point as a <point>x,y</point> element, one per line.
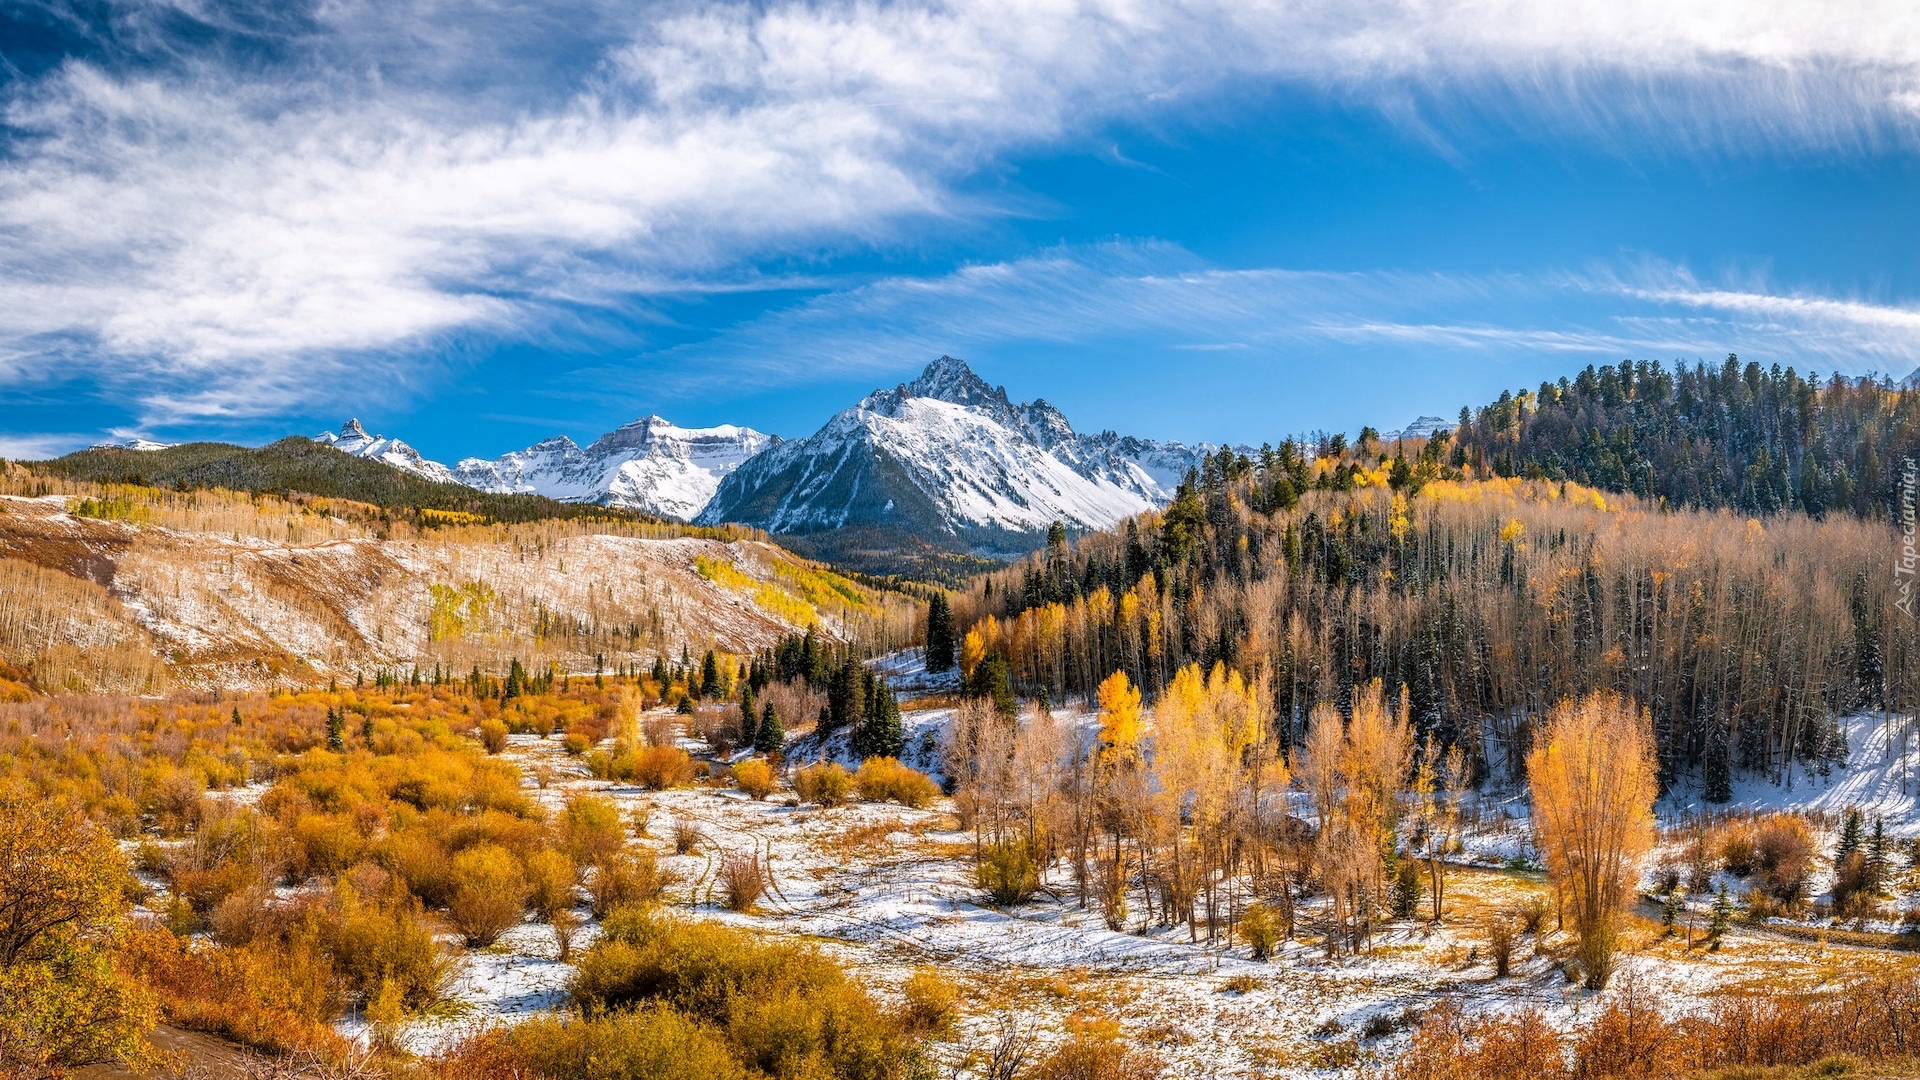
<point>1592,779</point>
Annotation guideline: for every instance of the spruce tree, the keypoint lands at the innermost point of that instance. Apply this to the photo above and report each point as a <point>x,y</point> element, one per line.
<point>1851,829</point>
<point>749,725</point>
<point>939,633</point>
<point>336,731</point>
<point>236,716</point>
<point>880,733</point>
<point>710,676</point>
<point>1717,771</point>
<point>843,695</point>
<point>771,738</point>
<point>1722,915</point>
<point>1877,866</point>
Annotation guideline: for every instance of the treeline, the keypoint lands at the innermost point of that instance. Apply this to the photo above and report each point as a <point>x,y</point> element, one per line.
<point>1483,604</point>
<point>1758,440</point>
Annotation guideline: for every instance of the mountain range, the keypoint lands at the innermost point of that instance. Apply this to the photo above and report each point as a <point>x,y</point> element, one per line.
<point>946,464</point>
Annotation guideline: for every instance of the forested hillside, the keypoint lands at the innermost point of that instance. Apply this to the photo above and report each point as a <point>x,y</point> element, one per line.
<point>302,466</point>
<point>1754,439</point>
<point>1487,601</point>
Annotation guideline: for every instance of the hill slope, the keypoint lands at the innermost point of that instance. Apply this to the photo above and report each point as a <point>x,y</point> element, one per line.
<point>302,465</point>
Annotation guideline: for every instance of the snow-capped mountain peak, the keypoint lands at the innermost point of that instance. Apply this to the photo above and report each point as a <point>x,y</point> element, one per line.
<point>353,439</point>
<point>650,464</point>
<point>1422,428</point>
<point>948,455</point>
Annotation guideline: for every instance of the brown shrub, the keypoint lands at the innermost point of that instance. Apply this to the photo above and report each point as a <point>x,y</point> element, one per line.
<point>658,768</point>
<point>743,881</point>
<point>1095,1057</point>
<point>1630,1039</point>
<point>687,837</point>
<point>1500,944</point>
<point>1783,854</point>
<point>630,879</point>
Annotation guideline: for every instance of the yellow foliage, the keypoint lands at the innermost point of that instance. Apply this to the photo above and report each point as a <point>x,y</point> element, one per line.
<point>1512,531</point>
<point>1119,714</point>
<point>973,649</point>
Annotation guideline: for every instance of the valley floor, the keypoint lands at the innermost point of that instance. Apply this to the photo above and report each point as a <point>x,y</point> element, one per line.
<point>888,890</point>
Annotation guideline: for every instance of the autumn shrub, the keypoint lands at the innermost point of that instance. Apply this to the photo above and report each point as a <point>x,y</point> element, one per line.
<point>1500,944</point>
<point>591,829</point>
<point>687,837</point>
<point>825,783</point>
<point>755,777</point>
<point>884,779</point>
<point>576,743</point>
<point>932,1002</point>
<point>743,881</point>
<point>275,997</point>
<point>630,879</point>
<point>1094,1057</point>
<point>783,1009</point>
<point>1735,845</point>
<point>1531,914</point>
<point>1262,927</point>
<point>489,893</point>
<point>651,1042</point>
<point>1449,1045</point>
<point>1783,856</point>
<point>551,878</point>
<point>1631,1038</point>
<point>493,735</point>
<point>418,857</point>
<point>64,1001</point>
<point>1008,873</point>
<point>658,768</point>
<point>391,942</point>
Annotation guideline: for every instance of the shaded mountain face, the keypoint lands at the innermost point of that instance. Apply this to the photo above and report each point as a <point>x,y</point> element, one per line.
<point>353,439</point>
<point>949,459</point>
<point>649,465</point>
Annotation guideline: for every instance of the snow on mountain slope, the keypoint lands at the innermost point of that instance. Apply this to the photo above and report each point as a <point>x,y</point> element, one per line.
<point>648,465</point>
<point>353,439</point>
<point>949,455</point>
<point>1421,428</point>
<point>131,444</point>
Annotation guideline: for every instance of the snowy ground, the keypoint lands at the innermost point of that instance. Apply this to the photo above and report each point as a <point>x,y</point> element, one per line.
<point>888,889</point>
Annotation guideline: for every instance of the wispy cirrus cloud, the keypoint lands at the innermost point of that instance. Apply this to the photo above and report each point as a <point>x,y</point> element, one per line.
<point>1157,296</point>
<point>221,206</point>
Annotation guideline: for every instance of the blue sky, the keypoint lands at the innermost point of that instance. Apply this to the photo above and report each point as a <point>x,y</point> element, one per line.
<point>475,224</point>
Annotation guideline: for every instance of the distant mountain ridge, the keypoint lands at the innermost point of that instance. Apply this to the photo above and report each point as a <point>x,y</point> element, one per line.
<point>649,464</point>
<point>950,457</point>
<point>353,439</point>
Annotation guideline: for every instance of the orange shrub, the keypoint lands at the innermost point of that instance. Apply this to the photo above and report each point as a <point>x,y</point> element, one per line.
<point>755,777</point>
<point>658,768</point>
<point>825,783</point>
<point>884,779</point>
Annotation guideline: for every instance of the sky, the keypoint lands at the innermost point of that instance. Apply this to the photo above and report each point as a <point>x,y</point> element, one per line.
<point>474,224</point>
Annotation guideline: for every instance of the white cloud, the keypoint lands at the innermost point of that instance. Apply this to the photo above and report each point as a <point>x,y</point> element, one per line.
<point>216,235</point>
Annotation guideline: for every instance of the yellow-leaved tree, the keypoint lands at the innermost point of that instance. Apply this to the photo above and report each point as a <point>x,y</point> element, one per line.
<point>1592,775</point>
<point>64,1002</point>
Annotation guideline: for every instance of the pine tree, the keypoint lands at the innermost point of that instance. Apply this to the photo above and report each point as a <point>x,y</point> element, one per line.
<point>1877,867</point>
<point>1717,771</point>
<point>1722,915</point>
<point>748,722</point>
<point>336,731</point>
<point>236,716</point>
<point>1670,909</point>
<point>843,695</point>
<point>771,738</point>
<point>880,733</point>
<point>710,676</point>
<point>1851,830</point>
<point>939,633</point>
